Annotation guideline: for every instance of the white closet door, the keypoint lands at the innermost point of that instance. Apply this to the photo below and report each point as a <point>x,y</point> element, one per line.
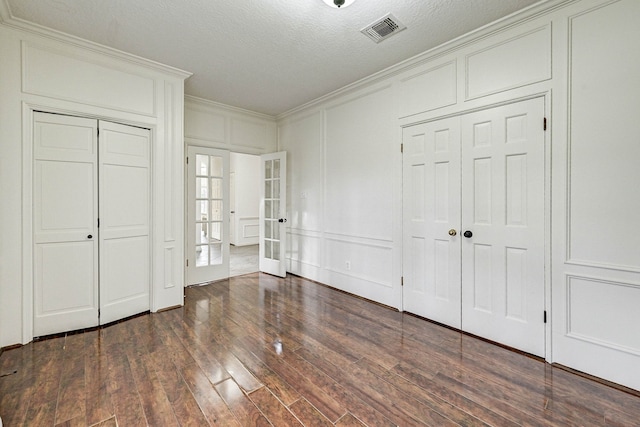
<point>124,221</point>
<point>65,227</point>
<point>503,213</point>
<point>431,193</point>
<point>273,204</point>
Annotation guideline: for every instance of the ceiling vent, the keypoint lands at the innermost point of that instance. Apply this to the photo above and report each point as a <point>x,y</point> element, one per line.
<point>383,28</point>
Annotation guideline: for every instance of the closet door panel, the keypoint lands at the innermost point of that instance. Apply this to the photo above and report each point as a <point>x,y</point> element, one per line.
<point>431,191</point>
<point>503,211</point>
<point>65,226</point>
<point>124,221</point>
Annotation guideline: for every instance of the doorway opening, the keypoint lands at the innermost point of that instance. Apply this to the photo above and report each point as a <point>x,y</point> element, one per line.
<point>244,183</point>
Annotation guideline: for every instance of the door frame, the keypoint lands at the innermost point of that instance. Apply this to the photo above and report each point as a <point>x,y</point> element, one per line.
<point>28,116</point>
<point>547,102</point>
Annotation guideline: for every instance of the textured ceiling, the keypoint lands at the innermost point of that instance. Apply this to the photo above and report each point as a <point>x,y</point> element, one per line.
<point>267,56</point>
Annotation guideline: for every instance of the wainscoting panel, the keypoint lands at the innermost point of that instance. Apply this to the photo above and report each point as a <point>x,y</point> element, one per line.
<point>428,89</point>
<point>516,62</point>
<point>602,312</point>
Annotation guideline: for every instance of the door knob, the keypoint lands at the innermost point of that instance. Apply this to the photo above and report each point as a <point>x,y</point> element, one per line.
<point>468,234</point>
<point>452,232</point>
<point>282,220</point>
<point>89,236</point>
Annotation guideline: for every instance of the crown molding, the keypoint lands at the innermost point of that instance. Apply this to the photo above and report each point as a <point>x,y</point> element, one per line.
<point>7,19</point>
<point>229,108</point>
<point>534,11</point>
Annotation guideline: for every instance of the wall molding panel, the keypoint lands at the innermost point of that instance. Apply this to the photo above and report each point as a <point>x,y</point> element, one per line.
<point>601,311</point>
<point>516,62</point>
<point>429,89</point>
<point>59,74</point>
<point>214,125</point>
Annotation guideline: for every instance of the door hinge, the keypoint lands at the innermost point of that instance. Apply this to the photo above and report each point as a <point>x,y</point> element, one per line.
<point>187,262</point>
<point>402,281</point>
<point>98,313</point>
<point>98,222</point>
<point>545,316</point>
<point>544,124</point>
<point>402,148</point>
<point>187,160</point>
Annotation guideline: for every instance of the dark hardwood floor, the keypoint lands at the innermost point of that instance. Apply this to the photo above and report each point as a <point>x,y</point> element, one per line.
<point>258,350</point>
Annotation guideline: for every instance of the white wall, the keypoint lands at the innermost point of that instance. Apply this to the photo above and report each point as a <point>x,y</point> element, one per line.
<point>582,58</point>
<point>51,72</point>
<point>245,196</point>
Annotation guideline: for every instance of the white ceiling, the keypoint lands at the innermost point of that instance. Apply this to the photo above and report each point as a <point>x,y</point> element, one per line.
<point>267,56</point>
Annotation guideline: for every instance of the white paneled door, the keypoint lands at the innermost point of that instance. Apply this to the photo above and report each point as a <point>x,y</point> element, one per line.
<point>503,215</point>
<point>273,178</point>
<point>91,222</point>
<point>65,229</point>
<point>207,215</point>
<point>431,183</point>
<point>474,223</point>
<point>124,160</point>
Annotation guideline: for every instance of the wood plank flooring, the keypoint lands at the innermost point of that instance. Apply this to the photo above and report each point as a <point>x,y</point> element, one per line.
<point>257,350</point>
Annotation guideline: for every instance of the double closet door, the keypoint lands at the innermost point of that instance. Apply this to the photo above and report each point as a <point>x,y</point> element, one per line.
<point>91,201</point>
<point>473,222</point>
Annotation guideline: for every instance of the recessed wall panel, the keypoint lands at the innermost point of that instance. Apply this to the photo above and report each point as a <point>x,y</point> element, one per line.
<point>246,133</point>
<point>517,62</point>
<point>358,177</point>
<point>428,89</point>
<point>604,148</point>
<point>361,260</point>
<point>204,125</point>
<point>604,312</point>
<point>63,76</point>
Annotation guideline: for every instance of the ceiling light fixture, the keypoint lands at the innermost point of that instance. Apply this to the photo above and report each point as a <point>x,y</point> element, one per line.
<point>338,4</point>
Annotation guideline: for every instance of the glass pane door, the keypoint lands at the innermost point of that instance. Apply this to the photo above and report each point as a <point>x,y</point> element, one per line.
<point>272,218</point>
<point>208,218</point>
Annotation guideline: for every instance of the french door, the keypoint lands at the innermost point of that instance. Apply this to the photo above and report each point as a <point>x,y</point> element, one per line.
<point>273,203</point>
<point>91,222</point>
<point>207,215</point>
<point>474,223</point>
